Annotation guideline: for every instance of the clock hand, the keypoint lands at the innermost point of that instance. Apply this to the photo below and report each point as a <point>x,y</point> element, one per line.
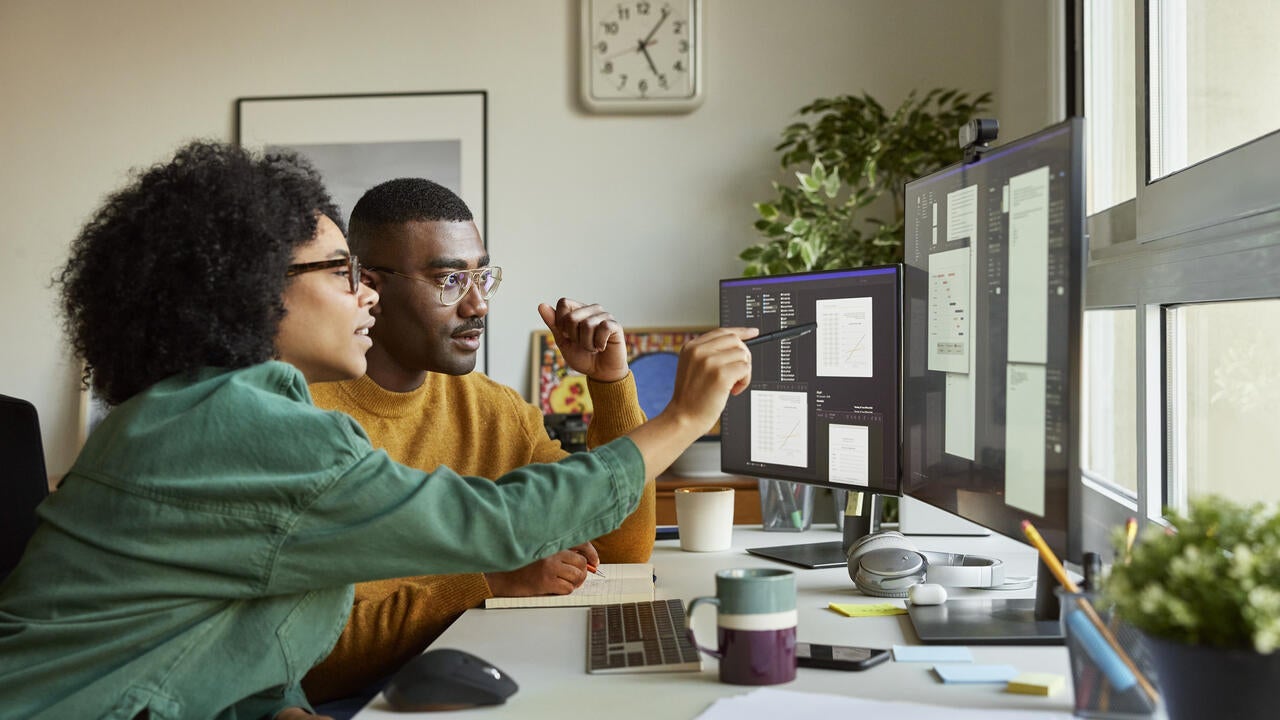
<point>645,43</point>
<point>652,67</point>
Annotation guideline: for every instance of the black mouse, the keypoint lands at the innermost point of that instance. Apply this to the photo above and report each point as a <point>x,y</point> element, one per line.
<point>447,679</point>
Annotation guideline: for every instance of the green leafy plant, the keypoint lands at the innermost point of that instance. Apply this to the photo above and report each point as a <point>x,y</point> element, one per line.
<point>1212,579</point>
<point>849,154</point>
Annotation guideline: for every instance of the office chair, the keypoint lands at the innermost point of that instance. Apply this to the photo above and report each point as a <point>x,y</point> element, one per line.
<point>23,482</point>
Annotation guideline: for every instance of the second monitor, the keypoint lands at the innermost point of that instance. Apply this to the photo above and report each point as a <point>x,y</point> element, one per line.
<point>822,407</point>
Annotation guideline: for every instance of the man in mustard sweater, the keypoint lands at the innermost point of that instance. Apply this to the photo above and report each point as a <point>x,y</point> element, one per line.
<point>421,402</point>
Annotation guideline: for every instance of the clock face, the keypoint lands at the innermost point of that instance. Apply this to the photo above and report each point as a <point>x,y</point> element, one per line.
<point>641,54</point>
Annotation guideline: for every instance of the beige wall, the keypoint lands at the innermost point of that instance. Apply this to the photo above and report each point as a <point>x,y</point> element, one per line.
<point>642,214</point>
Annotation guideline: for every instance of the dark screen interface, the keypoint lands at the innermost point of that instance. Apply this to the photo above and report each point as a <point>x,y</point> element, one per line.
<point>822,408</point>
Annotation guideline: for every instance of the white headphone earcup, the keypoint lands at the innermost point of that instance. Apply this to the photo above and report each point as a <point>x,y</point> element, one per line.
<point>885,579</point>
<point>877,541</point>
<point>889,572</point>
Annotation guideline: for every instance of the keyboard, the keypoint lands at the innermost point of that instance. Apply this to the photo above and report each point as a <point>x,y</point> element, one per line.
<point>634,637</point>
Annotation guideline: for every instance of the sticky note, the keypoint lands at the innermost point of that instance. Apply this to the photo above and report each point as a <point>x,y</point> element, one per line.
<point>867,609</point>
<point>932,653</point>
<point>1036,684</point>
<point>969,673</point>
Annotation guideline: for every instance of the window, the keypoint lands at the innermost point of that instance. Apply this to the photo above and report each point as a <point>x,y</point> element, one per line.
<point>1214,71</point>
<point>1224,389</point>
<point>1182,319</point>
<point>1109,411</point>
<point>1110,114</point>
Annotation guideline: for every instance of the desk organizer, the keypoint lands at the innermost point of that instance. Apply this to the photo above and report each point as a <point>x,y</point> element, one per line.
<point>1112,674</point>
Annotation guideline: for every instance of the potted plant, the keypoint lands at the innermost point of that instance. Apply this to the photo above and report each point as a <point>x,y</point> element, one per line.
<point>1206,596</point>
<point>847,154</point>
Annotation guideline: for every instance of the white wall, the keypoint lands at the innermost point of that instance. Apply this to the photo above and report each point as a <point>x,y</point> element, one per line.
<point>642,214</point>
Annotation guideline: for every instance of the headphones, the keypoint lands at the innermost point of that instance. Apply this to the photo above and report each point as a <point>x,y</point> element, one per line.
<point>886,564</point>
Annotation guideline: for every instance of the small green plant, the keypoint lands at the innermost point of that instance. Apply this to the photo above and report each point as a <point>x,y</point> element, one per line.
<point>851,154</point>
<point>1212,579</point>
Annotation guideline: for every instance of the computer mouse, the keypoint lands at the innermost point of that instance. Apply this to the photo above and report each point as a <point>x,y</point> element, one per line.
<point>447,679</point>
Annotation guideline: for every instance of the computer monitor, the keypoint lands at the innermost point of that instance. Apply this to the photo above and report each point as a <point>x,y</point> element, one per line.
<point>994,287</point>
<point>822,407</point>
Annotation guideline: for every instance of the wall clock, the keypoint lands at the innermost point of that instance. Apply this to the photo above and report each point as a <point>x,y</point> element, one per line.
<point>641,55</point>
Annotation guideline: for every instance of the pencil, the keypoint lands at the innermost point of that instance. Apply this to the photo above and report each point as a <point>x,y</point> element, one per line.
<point>783,334</point>
<point>594,569</point>
<point>1130,534</point>
<point>1055,566</point>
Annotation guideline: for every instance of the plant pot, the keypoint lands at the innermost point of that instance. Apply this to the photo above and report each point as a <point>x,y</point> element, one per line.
<point>1198,681</point>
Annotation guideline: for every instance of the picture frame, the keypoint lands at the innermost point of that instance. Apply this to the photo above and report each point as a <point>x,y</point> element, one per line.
<point>651,352</point>
<point>359,140</point>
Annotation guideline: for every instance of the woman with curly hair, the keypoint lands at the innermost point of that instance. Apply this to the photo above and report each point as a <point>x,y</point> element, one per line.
<point>199,556</point>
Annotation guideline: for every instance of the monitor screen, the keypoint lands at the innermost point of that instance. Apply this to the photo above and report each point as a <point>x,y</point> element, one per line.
<point>994,287</point>
<point>822,407</point>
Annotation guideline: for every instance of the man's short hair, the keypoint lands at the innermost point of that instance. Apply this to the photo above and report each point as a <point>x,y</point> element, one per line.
<point>400,201</point>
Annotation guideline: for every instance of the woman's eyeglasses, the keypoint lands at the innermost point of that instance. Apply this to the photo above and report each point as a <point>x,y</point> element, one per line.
<point>456,284</point>
<point>351,263</point>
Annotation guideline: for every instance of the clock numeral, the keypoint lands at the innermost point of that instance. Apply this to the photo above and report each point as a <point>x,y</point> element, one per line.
<point>642,8</point>
<point>602,46</point>
<point>608,68</point>
<point>684,46</point>
<point>624,13</point>
<point>610,28</point>
<point>643,86</point>
<point>622,80</point>
<point>679,66</point>
<point>662,82</point>
<point>677,26</point>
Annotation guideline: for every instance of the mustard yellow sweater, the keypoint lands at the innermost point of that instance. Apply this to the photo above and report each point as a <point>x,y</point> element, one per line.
<point>475,426</point>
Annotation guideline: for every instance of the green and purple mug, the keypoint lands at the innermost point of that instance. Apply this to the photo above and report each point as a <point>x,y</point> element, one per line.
<point>755,625</point>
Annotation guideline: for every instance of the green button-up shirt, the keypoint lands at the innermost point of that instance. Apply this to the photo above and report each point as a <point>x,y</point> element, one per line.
<point>198,558</point>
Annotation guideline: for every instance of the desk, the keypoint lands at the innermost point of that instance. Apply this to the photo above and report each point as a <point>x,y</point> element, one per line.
<point>544,649</point>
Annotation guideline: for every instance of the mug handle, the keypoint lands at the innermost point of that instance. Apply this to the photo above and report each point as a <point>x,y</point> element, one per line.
<point>689,629</point>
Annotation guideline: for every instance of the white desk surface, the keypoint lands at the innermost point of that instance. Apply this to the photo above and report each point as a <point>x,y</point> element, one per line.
<point>544,649</point>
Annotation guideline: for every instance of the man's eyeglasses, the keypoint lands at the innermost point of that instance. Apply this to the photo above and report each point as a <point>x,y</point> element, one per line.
<point>351,263</point>
<point>456,284</point>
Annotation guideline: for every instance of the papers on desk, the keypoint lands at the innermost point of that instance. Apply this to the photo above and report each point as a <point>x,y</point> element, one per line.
<point>623,582</point>
<point>771,704</point>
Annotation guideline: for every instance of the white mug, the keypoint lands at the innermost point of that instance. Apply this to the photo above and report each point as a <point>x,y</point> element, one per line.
<point>705,517</point>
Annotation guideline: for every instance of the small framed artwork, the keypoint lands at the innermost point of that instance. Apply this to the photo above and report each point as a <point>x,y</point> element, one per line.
<point>358,141</point>
<point>651,352</point>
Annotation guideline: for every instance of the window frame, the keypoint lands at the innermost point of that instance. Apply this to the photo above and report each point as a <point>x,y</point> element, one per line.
<point>1206,233</point>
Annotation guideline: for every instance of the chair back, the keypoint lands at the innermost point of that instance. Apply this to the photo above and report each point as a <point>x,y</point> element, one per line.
<point>23,482</point>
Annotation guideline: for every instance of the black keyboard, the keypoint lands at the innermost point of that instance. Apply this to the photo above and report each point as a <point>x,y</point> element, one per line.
<point>645,636</point>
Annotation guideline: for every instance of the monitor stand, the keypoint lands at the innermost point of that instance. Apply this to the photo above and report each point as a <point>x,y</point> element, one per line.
<point>997,621</point>
<point>860,518</point>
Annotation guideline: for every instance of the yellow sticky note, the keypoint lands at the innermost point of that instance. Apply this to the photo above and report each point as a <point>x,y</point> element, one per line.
<point>1036,684</point>
<point>867,609</point>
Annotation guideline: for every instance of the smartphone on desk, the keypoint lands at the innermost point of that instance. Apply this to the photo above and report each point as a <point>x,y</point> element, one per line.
<point>838,657</point>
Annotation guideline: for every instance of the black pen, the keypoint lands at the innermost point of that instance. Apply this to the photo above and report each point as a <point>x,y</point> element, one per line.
<point>792,332</point>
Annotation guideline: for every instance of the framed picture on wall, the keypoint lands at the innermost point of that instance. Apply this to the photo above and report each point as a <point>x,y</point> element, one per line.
<point>651,352</point>
<point>358,141</point>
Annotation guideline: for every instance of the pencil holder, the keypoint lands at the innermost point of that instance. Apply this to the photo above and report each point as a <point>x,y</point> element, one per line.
<point>1112,674</point>
<point>786,506</point>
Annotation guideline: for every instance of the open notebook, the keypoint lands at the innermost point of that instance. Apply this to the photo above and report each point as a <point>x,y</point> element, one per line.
<point>623,582</point>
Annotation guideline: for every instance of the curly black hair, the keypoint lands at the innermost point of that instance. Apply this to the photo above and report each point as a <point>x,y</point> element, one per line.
<point>185,267</point>
<point>403,200</point>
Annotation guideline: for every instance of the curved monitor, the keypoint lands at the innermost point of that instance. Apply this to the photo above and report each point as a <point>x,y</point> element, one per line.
<point>823,406</point>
